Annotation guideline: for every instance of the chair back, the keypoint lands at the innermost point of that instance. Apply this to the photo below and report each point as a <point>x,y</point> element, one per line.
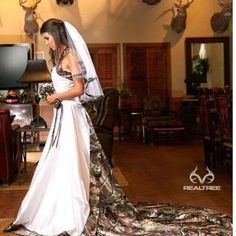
<point>108,109</point>
<point>104,113</point>
<point>224,110</point>
<point>208,116</point>
<point>155,105</point>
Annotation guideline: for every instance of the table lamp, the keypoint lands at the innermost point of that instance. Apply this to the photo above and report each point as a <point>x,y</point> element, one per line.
<point>36,72</point>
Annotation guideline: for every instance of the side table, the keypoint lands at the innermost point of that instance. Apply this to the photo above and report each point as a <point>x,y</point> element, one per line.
<point>23,132</point>
<point>129,122</point>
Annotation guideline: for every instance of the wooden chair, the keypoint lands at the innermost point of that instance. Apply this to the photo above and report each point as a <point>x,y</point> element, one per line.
<point>104,114</point>
<point>224,111</point>
<point>159,122</point>
<point>209,129</point>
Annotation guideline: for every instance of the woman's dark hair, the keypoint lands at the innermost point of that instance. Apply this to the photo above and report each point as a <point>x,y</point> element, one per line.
<point>56,28</point>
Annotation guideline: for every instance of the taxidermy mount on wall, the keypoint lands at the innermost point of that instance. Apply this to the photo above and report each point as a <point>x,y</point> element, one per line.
<point>30,26</point>
<point>220,20</point>
<point>65,2</point>
<point>178,22</point>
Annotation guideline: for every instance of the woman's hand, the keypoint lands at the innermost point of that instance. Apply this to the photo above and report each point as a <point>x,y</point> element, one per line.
<point>51,98</point>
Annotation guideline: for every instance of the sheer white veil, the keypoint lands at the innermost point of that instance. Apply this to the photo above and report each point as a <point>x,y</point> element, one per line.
<point>93,88</point>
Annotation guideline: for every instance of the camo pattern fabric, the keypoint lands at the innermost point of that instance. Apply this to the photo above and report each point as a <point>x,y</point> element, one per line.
<point>112,214</point>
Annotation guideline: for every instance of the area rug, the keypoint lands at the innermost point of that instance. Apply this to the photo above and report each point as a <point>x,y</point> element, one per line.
<point>22,181</point>
<point>4,222</point>
<point>120,177</point>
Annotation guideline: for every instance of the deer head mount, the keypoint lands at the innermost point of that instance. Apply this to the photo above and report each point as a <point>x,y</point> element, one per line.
<point>151,2</point>
<point>65,2</point>
<point>178,22</point>
<point>30,26</point>
<point>220,20</point>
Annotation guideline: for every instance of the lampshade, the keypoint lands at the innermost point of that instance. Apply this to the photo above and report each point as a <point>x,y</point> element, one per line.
<point>36,71</point>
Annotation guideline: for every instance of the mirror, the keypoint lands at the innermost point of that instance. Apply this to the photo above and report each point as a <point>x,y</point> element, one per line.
<point>207,63</point>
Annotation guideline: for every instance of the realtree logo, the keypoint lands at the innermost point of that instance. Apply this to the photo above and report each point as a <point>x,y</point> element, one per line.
<point>208,178</point>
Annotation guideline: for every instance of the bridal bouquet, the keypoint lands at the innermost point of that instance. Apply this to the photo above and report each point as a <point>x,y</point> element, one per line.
<point>45,90</point>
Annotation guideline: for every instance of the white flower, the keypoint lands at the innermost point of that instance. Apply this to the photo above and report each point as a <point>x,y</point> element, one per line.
<point>45,90</point>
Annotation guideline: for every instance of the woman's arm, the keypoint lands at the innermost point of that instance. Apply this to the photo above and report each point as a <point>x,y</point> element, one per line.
<point>71,64</point>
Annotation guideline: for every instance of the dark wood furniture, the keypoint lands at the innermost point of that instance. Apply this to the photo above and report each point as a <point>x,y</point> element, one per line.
<point>215,114</point>
<point>129,123</point>
<point>158,122</point>
<point>10,149</point>
<point>104,114</point>
<point>189,112</point>
<point>224,110</point>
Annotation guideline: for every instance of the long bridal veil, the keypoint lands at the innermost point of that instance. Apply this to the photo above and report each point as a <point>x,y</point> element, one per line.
<point>93,88</point>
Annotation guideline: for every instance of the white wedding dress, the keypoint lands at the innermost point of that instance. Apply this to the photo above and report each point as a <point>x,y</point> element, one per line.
<point>58,197</point>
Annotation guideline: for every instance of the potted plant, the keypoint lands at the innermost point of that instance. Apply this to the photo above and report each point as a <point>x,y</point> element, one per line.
<point>200,69</point>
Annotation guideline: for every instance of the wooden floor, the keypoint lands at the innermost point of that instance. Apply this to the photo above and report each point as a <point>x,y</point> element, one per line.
<point>159,173</point>
<point>155,174</point>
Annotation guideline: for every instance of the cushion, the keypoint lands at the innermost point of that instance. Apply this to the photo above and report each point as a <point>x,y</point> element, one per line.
<point>163,122</point>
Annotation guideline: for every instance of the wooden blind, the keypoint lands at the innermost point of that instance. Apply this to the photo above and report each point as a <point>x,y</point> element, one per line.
<point>104,57</point>
<point>147,70</point>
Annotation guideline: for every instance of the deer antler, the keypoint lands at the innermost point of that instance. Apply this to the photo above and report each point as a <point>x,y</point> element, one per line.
<point>223,3</point>
<point>189,3</point>
<point>36,3</point>
<point>179,4</point>
<point>21,2</point>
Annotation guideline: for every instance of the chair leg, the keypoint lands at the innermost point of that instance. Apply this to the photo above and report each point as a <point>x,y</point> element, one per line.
<point>206,153</point>
<point>152,134</point>
<point>227,155</point>
<point>143,134</point>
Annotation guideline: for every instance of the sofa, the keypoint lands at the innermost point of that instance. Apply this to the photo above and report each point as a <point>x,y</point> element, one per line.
<point>104,116</point>
<point>10,150</point>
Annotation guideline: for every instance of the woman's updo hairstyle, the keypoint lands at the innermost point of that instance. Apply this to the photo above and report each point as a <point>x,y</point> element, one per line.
<point>56,28</point>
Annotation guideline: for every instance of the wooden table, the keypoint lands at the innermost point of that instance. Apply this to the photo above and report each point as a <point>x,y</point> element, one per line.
<point>129,122</point>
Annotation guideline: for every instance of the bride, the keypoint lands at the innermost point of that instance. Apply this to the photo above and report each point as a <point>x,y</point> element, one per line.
<point>73,191</point>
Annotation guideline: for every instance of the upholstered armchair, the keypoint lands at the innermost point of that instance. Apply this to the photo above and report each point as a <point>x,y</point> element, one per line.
<point>10,151</point>
<point>104,114</point>
<point>157,120</point>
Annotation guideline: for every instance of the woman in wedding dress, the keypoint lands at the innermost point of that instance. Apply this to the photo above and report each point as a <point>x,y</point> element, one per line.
<point>73,191</point>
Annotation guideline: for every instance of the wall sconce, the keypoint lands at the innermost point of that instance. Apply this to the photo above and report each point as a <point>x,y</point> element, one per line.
<point>65,2</point>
